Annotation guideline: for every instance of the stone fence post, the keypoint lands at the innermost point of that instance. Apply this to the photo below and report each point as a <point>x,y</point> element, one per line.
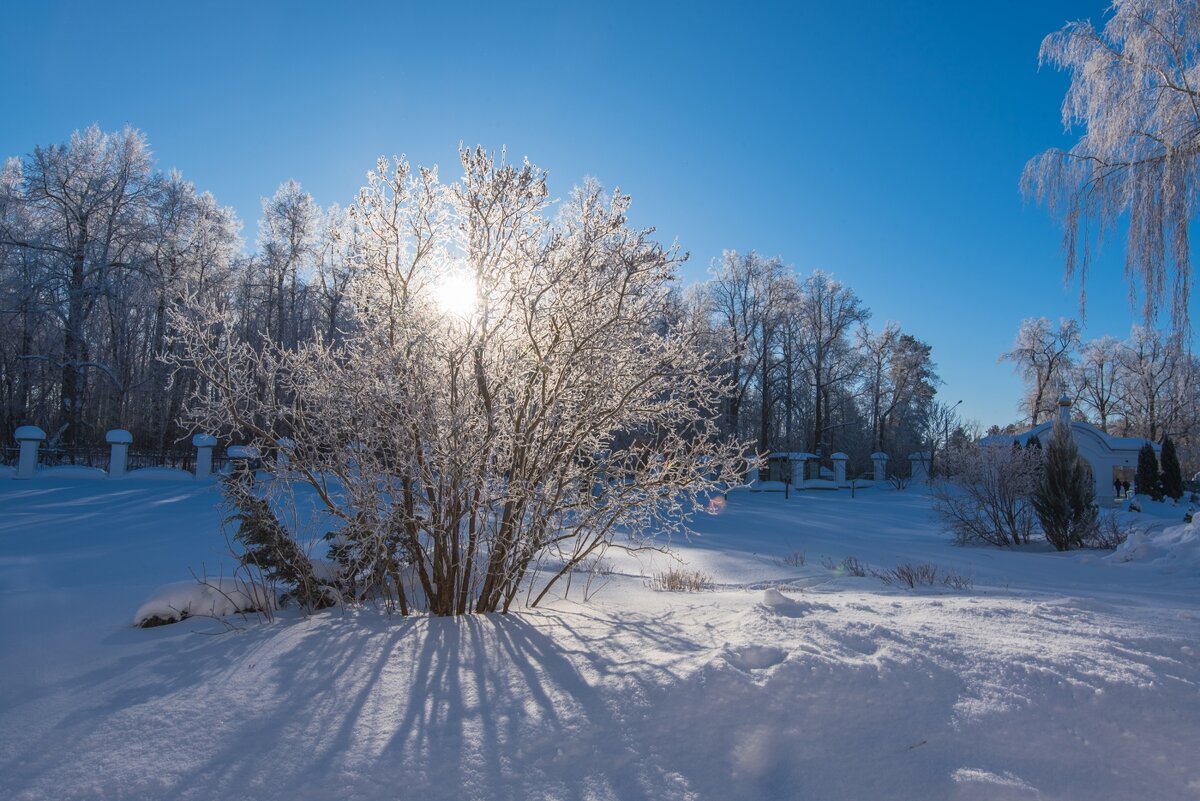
<point>839,467</point>
<point>879,461</point>
<point>118,458</point>
<point>920,465</point>
<point>204,444</point>
<point>242,459</point>
<point>31,438</point>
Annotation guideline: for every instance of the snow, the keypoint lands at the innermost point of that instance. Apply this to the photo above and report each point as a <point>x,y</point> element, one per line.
<point>1058,676</point>
<point>204,596</point>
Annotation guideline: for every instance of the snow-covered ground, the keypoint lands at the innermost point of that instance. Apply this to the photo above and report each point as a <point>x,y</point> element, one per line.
<point>1057,676</point>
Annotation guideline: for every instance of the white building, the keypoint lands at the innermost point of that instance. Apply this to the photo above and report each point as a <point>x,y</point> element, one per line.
<point>1109,457</point>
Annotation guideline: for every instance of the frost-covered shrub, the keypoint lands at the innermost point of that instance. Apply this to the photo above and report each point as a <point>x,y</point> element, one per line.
<point>985,497</point>
<point>514,388</point>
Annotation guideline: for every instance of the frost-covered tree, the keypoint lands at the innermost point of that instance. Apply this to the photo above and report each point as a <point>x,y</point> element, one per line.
<point>83,217</point>
<point>747,297</point>
<point>982,494</point>
<point>898,377</point>
<point>288,245</point>
<point>1041,354</point>
<point>1065,498</point>
<point>512,396</point>
<point>1135,94</point>
<point>1151,365</point>
<point>1095,379</point>
<point>828,312</point>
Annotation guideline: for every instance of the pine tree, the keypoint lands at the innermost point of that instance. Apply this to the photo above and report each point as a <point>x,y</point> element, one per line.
<point>1065,499</point>
<point>1172,474</point>
<point>270,549</point>
<point>1146,481</point>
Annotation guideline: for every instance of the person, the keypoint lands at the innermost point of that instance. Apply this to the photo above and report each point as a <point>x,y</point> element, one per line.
<point>1117,487</point>
<point>1125,486</point>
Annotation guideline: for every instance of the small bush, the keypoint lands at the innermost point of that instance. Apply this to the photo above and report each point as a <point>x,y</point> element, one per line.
<point>676,580</point>
<point>922,575</point>
<point>850,566</point>
<point>793,559</point>
<point>1107,535</point>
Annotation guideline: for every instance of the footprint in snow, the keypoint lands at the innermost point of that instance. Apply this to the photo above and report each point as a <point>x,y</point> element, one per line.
<point>755,657</point>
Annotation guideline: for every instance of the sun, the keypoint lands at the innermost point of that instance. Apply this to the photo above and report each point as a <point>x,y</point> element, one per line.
<point>456,294</point>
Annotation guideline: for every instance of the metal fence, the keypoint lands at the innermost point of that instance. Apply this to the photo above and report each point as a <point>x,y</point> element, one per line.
<point>179,458</point>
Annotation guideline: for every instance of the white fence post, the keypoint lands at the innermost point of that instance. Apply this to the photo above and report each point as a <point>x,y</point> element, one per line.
<point>839,467</point>
<point>31,438</point>
<point>920,465</point>
<point>118,458</point>
<point>879,461</point>
<point>204,444</point>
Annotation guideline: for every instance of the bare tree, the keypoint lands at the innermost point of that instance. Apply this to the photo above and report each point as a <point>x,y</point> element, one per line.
<point>1133,90</point>
<point>828,311</point>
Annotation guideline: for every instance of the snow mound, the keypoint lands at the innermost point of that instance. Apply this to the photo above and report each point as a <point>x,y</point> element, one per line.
<point>1175,549</point>
<point>756,657</point>
<point>215,597</point>
<point>773,598</point>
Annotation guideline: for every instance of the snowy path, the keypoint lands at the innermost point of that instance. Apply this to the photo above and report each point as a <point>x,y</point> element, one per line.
<point>1056,677</point>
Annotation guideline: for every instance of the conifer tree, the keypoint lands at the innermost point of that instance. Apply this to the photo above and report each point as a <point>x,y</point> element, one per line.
<point>1146,480</point>
<point>1065,499</point>
<point>1172,474</point>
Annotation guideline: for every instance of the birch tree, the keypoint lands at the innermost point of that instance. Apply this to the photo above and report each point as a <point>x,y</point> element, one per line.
<point>1134,93</point>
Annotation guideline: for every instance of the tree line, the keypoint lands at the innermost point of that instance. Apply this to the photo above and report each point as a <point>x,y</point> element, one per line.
<point>1145,385</point>
<point>98,247</point>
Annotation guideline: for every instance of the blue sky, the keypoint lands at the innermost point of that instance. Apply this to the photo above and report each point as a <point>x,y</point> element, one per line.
<point>880,141</point>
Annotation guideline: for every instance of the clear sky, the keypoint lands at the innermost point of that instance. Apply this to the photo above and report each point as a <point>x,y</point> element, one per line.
<point>879,141</point>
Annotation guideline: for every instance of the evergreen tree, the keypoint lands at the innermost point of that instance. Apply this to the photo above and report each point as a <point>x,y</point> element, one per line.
<point>270,549</point>
<point>1033,442</point>
<point>1172,475</point>
<point>1065,499</point>
<point>1146,481</point>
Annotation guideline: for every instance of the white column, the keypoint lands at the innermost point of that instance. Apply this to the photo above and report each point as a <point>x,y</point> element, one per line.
<point>879,461</point>
<point>839,467</point>
<point>31,438</point>
<point>204,444</point>
<point>920,465</point>
<point>120,440</point>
